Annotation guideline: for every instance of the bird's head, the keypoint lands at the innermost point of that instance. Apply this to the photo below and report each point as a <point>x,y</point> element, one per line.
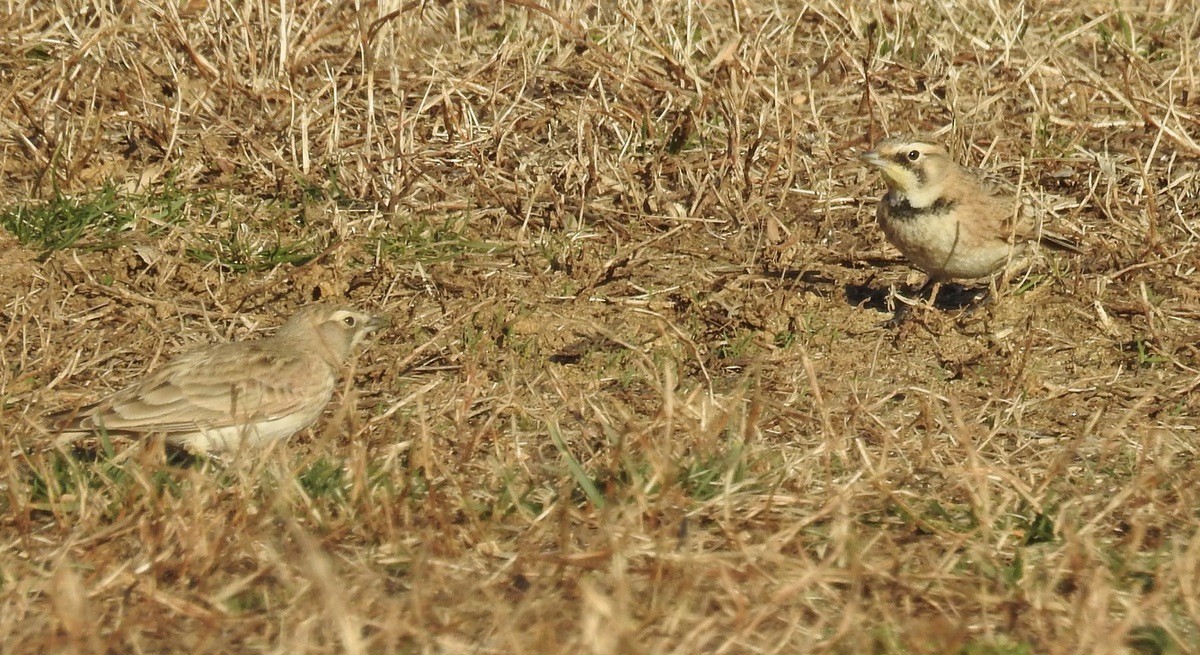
<point>913,168</point>
<point>333,330</point>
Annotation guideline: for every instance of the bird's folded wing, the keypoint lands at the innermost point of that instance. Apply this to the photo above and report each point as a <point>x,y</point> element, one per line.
<point>215,388</point>
<point>1028,225</point>
<point>1026,221</point>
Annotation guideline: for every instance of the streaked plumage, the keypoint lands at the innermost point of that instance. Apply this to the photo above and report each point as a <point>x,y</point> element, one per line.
<point>945,219</point>
<point>221,396</point>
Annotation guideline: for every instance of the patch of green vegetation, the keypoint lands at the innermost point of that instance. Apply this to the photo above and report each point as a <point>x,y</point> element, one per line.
<point>1012,573</point>
<point>324,479</point>
<point>1039,529</point>
<point>1151,640</point>
<point>1000,645</point>
<point>683,135</point>
<point>168,204</point>
<point>736,346</point>
<point>906,39</point>
<point>236,254</point>
<point>245,248</point>
<point>1144,356</point>
<point>1026,284</point>
<point>67,475</point>
<point>584,481</point>
<point>958,519</point>
<point>63,220</point>
<point>622,368</point>
<point>59,485</point>
<point>94,222</point>
<point>39,53</point>
<point>427,241</point>
<point>332,189</point>
<point>248,600</point>
<point>513,496</point>
<point>1123,38</point>
<point>785,339</point>
<point>709,475</point>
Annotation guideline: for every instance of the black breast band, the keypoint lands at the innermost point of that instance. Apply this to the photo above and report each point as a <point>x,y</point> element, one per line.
<point>901,208</point>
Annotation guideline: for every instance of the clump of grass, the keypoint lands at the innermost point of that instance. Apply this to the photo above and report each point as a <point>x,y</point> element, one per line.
<point>235,254</point>
<point>63,220</point>
<point>95,220</point>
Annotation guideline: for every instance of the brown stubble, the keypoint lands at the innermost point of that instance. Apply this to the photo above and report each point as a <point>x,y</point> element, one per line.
<point>615,243</point>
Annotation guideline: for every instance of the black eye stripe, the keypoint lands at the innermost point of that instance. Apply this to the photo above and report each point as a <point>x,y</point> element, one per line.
<point>904,156</point>
<point>914,166</point>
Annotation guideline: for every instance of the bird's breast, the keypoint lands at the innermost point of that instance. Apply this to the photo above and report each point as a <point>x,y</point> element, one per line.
<point>944,239</point>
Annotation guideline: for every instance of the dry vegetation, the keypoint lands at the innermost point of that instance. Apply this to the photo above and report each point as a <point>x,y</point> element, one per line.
<point>636,398</point>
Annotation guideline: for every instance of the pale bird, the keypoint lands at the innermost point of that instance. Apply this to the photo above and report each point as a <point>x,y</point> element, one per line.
<point>224,396</point>
<point>946,220</point>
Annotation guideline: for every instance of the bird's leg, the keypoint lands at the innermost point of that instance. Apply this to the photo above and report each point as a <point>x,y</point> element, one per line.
<point>933,286</point>
<point>994,286</point>
<point>904,309</point>
<point>899,316</point>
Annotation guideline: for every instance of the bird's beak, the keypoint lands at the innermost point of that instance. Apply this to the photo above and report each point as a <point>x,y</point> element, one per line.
<point>871,157</point>
<point>377,323</point>
<point>893,174</point>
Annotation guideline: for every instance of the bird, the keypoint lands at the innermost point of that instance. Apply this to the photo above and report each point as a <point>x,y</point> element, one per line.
<point>947,220</point>
<point>225,396</point>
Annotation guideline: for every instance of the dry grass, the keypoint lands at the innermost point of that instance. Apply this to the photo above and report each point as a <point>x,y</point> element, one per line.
<point>636,399</point>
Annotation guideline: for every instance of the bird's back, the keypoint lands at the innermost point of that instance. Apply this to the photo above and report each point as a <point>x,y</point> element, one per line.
<point>221,388</point>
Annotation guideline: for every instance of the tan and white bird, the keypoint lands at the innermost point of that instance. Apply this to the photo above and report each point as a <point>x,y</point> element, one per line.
<point>223,396</point>
<point>946,220</point>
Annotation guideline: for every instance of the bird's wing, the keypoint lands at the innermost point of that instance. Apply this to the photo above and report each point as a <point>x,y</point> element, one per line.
<point>1027,223</point>
<point>220,386</point>
<point>988,208</point>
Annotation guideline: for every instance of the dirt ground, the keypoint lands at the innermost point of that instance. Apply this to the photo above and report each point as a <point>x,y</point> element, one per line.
<point>638,395</point>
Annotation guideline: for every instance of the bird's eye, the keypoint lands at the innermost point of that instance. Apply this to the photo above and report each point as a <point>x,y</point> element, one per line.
<point>349,321</point>
<point>914,155</point>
